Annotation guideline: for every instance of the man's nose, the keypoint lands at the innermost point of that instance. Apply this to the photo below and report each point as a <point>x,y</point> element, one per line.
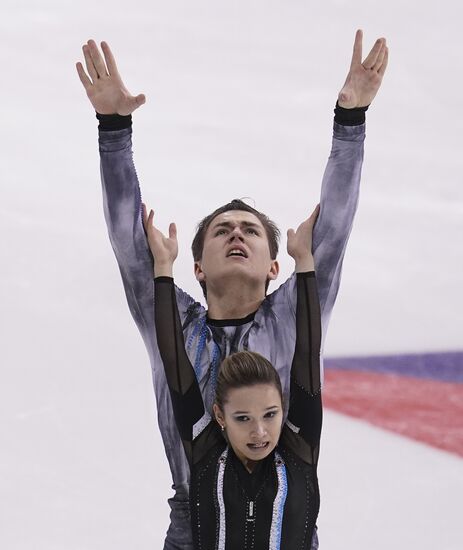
<point>236,233</point>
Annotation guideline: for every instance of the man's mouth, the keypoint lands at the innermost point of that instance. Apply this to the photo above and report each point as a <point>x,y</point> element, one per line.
<point>237,252</point>
<point>257,446</point>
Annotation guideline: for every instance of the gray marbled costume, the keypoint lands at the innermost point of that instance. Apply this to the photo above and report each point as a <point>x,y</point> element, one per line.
<point>272,330</point>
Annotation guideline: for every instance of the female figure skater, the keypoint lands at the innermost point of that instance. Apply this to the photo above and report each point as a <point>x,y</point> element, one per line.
<point>253,476</point>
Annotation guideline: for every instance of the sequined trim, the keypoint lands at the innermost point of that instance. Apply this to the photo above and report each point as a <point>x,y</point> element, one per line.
<point>193,334</point>
<point>292,427</point>
<point>200,333</point>
<point>214,369</point>
<point>278,503</point>
<point>220,474</point>
<point>201,424</point>
<point>200,348</point>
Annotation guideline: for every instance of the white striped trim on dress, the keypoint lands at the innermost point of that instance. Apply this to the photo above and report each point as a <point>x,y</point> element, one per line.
<point>222,534</point>
<point>278,503</point>
<point>199,426</point>
<point>292,427</point>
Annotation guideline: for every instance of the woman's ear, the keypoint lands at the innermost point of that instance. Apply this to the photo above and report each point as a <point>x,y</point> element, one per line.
<point>218,414</point>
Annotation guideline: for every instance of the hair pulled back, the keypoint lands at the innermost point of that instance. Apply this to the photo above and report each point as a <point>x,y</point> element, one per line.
<point>245,368</point>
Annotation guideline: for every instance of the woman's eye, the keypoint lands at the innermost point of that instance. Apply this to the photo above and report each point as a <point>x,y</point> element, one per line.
<point>241,418</point>
<point>270,414</point>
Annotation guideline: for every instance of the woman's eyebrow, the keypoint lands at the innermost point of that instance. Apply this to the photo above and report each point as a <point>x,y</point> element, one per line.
<point>266,409</point>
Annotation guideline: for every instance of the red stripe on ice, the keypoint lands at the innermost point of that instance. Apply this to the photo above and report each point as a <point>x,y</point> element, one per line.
<point>426,410</point>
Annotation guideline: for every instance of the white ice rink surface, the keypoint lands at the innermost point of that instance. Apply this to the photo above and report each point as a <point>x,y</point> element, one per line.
<point>240,97</point>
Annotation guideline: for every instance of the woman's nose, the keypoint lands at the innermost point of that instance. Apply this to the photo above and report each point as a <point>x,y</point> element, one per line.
<point>259,429</point>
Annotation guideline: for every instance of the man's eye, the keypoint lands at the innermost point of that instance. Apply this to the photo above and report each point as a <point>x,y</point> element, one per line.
<point>252,231</point>
<point>220,232</point>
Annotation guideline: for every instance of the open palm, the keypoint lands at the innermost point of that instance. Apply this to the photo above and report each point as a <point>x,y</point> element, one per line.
<point>164,249</point>
<point>364,79</point>
<point>103,83</point>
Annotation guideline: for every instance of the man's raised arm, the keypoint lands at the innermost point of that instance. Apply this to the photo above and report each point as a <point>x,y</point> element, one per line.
<point>114,104</point>
<point>340,187</point>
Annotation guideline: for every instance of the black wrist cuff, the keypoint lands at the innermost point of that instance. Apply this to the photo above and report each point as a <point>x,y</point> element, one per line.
<point>110,123</point>
<point>163,279</point>
<point>305,274</point>
<point>349,117</point>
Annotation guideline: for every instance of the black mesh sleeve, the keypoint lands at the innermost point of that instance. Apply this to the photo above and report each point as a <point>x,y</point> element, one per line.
<point>186,396</point>
<point>305,406</point>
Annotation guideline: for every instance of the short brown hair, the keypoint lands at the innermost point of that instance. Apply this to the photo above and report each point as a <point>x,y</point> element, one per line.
<point>271,229</point>
<point>244,368</point>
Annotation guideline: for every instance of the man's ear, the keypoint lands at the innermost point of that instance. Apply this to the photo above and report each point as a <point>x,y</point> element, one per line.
<point>274,270</point>
<point>218,414</point>
<point>199,273</point>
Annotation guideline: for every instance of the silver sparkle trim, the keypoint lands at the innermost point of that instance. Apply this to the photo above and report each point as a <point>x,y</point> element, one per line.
<point>292,427</point>
<point>278,503</point>
<point>199,426</point>
<point>222,463</point>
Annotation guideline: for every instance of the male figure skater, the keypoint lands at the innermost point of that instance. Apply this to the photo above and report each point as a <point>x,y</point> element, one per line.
<point>234,251</point>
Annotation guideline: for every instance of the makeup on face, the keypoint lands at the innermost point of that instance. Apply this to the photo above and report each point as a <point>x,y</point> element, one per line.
<point>253,417</point>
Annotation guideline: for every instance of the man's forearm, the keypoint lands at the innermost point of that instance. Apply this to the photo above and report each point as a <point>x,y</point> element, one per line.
<point>122,210</point>
<point>338,203</point>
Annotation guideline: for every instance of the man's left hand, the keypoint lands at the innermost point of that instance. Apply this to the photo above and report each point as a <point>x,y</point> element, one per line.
<point>364,79</point>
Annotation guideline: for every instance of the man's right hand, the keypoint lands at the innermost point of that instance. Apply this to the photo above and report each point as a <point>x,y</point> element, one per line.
<point>103,83</point>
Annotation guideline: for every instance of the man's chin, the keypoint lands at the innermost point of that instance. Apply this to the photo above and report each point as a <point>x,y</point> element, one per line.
<point>239,272</point>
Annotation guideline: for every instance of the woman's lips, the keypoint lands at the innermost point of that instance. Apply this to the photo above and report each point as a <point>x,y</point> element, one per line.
<point>257,446</point>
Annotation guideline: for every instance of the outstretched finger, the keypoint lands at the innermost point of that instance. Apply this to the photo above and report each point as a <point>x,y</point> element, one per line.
<point>89,63</point>
<point>172,231</point>
<point>87,83</point>
<point>357,53</point>
<point>109,58</point>
<point>136,101</point>
<point>383,67</point>
<point>149,221</point>
<point>371,58</point>
<point>380,59</point>
<point>144,214</point>
<point>97,59</point>
<point>315,213</point>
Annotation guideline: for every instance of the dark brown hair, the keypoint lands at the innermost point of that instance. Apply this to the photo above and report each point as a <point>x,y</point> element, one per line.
<point>271,229</point>
<point>245,368</point>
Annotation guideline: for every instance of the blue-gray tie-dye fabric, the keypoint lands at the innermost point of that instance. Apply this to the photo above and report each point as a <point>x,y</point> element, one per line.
<point>271,333</point>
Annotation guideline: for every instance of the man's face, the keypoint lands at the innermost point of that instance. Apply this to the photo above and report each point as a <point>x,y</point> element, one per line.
<point>235,247</point>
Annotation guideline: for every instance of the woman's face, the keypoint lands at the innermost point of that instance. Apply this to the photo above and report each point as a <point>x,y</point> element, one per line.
<point>252,416</point>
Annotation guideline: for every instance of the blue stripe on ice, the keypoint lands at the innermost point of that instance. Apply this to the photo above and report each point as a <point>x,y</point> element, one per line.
<point>445,367</point>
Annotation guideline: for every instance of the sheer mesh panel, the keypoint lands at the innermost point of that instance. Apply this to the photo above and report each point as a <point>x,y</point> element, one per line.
<point>187,401</point>
<point>305,407</point>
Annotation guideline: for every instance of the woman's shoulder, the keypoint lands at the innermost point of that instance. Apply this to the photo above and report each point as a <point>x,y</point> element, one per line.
<point>291,454</point>
<point>208,460</point>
